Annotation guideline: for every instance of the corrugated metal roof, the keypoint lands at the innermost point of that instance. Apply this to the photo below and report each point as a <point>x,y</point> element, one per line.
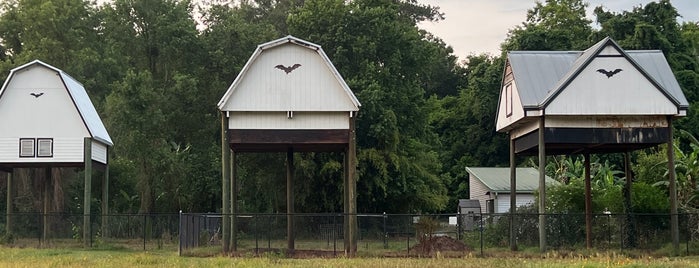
<point>540,75</point>
<point>300,42</point>
<point>498,179</point>
<point>80,98</point>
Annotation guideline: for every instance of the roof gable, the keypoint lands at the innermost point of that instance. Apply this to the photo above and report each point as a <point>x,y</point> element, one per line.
<point>80,99</point>
<point>289,74</point>
<point>542,75</point>
<point>498,179</point>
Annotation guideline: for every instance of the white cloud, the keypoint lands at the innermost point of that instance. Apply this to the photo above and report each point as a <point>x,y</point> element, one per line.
<point>480,26</point>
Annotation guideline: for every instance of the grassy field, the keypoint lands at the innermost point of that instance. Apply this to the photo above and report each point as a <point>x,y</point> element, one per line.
<point>18,257</point>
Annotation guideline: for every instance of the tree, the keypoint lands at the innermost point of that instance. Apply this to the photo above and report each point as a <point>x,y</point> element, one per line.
<point>378,48</point>
<point>552,25</point>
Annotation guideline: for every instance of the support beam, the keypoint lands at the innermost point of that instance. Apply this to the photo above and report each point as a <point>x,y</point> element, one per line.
<point>513,196</point>
<point>542,185</point>
<point>350,198</point>
<point>630,222</point>
<point>234,202</point>
<point>290,199</point>
<point>10,199</point>
<point>105,200</point>
<point>225,191</point>
<point>588,203</point>
<point>87,195</point>
<point>674,222</point>
<point>46,206</point>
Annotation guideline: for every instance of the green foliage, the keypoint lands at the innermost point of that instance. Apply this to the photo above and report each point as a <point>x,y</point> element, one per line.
<point>552,25</point>
<point>155,73</point>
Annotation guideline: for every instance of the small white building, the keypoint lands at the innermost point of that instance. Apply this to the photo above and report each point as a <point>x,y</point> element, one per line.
<point>491,187</point>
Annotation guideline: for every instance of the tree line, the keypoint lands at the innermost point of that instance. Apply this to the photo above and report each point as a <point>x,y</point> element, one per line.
<point>156,69</point>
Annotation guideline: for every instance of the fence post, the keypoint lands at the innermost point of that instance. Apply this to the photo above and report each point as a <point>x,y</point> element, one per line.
<point>385,233</point>
<point>458,224</point>
<point>481,231</point>
<point>179,251</point>
<point>257,246</point>
<point>144,231</point>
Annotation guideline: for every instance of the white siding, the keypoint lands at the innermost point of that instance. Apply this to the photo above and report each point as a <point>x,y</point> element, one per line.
<point>99,152</point>
<point>517,109</point>
<point>627,92</point>
<point>51,115</point>
<point>65,150</point>
<point>477,190</point>
<point>279,120</point>
<point>310,87</point>
<point>502,203</point>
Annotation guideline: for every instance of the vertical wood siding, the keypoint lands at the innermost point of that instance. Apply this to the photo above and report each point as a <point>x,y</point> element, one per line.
<point>517,110</point>
<point>310,87</point>
<point>627,92</point>
<point>279,120</point>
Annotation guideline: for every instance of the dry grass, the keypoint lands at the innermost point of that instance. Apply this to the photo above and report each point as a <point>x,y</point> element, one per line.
<point>18,257</point>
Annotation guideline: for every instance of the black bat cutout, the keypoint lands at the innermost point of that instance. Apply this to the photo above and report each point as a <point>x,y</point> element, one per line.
<point>609,74</point>
<point>36,95</point>
<point>286,69</point>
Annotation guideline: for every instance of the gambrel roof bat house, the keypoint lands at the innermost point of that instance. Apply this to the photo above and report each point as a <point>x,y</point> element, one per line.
<point>289,94</point>
<point>289,98</point>
<point>48,121</point>
<point>601,100</point>
<point>45,116</point>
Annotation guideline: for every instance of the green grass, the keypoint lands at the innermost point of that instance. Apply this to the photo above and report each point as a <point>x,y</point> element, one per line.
<point>26,257</point>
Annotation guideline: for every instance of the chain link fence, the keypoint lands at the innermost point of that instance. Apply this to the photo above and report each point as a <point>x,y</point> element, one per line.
<point>403,233</point>
<point>379,234</point>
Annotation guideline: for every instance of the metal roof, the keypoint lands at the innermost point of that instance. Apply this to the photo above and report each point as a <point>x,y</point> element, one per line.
<point>82,102</point>
<point>540,75</point>
<point>296,41</point>
<point>497,179</point>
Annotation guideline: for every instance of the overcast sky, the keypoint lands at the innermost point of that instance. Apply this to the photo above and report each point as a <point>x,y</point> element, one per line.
<point>479,26</point>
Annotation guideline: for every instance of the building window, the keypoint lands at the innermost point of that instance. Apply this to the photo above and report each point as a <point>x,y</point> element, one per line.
<point>45,147</point>
<point>26,147</point>
<point>508,100</point>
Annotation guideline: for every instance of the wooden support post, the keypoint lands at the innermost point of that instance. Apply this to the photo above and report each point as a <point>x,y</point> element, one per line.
<point>542,186</point>
<point>225,191</point>
<point>588,202</point>
<point>234,202</point>
<point>630,227</point>
<point>350,225</point>
<point>674,222</point>
<point>345,203</point>
<point>87,196</point>
<point>46,206</point>
<point>105,199</point>
<point>10,199</point>
<point>513,196</point>
<point>290,199</point>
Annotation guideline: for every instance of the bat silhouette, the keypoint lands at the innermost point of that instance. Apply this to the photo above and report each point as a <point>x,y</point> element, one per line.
<point>609,73</point>
<point>36,95</point>
<point>288,69</point>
